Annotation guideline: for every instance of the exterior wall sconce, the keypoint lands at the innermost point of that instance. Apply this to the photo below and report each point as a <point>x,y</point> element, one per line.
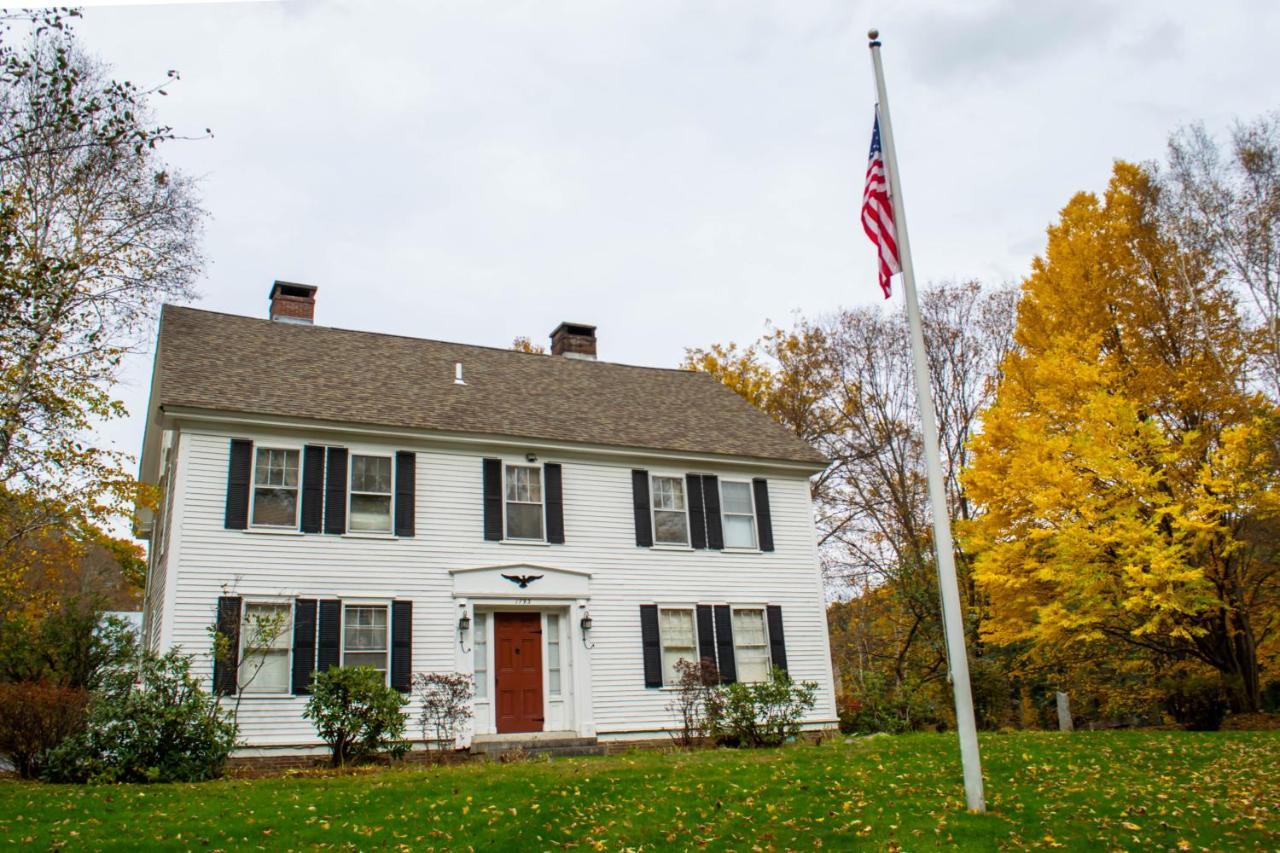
<point>586,629</point>
<point>464,625</point>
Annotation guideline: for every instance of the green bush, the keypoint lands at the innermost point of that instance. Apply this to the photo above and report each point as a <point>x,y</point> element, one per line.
<point>73,646</point>
<point>764,713</point>
<point>875,705</point>
<point>1197,701</point>
<point>357,714</point>
<point>148,722</point>
<point>34,718</point>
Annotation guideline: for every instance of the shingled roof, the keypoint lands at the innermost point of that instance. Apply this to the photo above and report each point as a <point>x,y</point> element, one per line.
<point>224,362</point>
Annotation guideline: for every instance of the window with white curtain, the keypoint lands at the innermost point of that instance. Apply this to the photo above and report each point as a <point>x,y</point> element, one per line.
<point>482,655</point>
<point>670,519</point>
<point>364,636</point>
<point>675,629</point>
<point>265,637</point>
<point>275,488</point>
<point>553,654</point>
<point>738,513</point>
<point>524,502</point>
<point>370,494</point>
<point>750,644</point>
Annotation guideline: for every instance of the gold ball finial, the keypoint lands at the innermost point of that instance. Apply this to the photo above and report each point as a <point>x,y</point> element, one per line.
<point>873,34</point>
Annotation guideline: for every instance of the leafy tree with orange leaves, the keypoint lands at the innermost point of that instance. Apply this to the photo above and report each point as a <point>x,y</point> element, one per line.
<point>1126,472</point>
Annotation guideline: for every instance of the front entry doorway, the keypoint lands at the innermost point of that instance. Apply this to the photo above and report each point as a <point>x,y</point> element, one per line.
<point>517,659</point>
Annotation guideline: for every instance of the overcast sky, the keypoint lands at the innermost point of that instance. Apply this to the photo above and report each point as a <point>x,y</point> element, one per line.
<point>677,173</point>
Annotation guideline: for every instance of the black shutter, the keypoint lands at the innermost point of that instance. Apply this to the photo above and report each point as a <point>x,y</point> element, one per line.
<point>697,520</point>
<point>312,488</point>
<point>401,645</point>
<point>640,502</point>
<point>764,518</point>
<point>493,500</point>
<point>711,497</point>
<point>551,476</point>
<point>239,470</point>
<point>335,491</point>
<point>225,665</point>
<point>777,642</point>
<point>724,644</point>
<point>329,635</point>
<point>406,485</point>
<point>652,645</point>
<point>304,645</point>
<point>706,634</point>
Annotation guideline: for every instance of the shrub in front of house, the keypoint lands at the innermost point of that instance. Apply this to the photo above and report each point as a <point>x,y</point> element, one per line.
<point>36,716</point>
<point>764,713</point>
<point>357,714</point>
<point>446,704</point>
<point>150,721</point>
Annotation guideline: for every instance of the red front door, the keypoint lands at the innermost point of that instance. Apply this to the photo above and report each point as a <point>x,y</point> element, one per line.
<point>517,655</point>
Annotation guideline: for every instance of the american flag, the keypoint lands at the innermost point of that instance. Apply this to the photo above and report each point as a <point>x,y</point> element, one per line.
<point>877,211</point>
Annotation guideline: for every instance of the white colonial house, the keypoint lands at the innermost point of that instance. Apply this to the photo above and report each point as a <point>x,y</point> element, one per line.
<point>562,528</point>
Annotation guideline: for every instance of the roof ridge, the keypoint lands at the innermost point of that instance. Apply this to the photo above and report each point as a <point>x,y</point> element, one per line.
<point>490,347</point>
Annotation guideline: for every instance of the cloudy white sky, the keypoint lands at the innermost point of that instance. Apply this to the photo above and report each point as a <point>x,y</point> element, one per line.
<point>675,172</point>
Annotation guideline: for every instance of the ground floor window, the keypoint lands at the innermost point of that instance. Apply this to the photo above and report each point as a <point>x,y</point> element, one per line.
<point>750,644</point>
<point>265,636</point>
<point>678,641</point>
<point>364,636</point>
<point>553,654</point>
<point>482,655</point>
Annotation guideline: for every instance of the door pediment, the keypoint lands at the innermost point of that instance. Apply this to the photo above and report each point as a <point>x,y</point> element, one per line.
<point>521,580</point>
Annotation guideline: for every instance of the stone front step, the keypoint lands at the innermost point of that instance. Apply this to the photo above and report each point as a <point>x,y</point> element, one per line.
<point>552,745</point>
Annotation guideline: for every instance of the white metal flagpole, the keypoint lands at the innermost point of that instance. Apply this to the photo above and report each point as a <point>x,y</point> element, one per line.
<point>957,657</point>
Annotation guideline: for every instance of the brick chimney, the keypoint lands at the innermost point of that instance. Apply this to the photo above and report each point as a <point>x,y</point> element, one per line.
<point>293,303</point>
<point>574,340</point>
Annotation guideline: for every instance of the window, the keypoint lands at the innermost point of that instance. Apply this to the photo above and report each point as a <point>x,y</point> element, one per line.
<point>524,502</point>
<point>364,636</point>
<point>275,488</point>
<point>751,645</point>
<point>553,654</point>
<point>482,655</point>
<point>738,512</point>
<point>264,656</point>
<point>670,524</point>
<point>675,627</point>
<point>370,494</point>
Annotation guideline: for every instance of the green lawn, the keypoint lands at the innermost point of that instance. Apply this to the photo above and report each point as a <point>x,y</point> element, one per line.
<point>1086,791</point>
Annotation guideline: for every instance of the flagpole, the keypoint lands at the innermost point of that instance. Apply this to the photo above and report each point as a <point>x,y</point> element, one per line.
<point>953,627</point>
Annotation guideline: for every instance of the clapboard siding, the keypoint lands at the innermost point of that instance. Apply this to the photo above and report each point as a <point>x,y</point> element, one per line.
<point>600,534</point>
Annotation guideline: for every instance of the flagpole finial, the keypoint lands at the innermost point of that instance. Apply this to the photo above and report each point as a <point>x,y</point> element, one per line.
<point>874,35</point>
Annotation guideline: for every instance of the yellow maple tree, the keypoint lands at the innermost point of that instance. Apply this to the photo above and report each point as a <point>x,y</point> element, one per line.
<point>1127,471</point>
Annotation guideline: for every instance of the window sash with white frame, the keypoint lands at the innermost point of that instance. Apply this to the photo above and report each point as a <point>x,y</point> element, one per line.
<point>369,498</point>
<point>679,640</point>
<point>670,510</point>
<point>481,649</point>
<point>524,507</point>
<point>265,666</point>
<point>738,514</point>
<point>366,635</point>
<point>751,644</point>
<point>275,487</point>
<point>553,654</point>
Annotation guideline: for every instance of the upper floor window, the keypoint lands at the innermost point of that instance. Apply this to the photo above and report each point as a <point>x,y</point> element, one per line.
<point>751,644</point>
<point>370,494</point>
<point>265,637</point>
<point>670,519</point>
<point>275,488</point>
<point>738,511</point>
<point>364,636</point>
<point>524,502</point>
